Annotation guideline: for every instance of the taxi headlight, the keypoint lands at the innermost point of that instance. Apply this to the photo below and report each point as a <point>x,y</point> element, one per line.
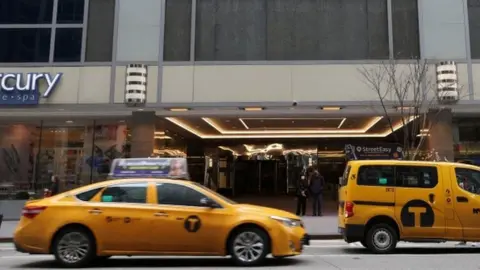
<point>288,221</point>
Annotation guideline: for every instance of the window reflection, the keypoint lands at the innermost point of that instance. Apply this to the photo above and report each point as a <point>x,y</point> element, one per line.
<point>61,152</point>
<point>30,153</point>
<point>17,151</point>
<point>109,142</point>
<point>468,180</point>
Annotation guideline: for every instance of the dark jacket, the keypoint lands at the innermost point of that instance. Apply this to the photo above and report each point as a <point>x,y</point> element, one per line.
<point>55,188</point>
<point>317,182</point>
<point>302,188</point>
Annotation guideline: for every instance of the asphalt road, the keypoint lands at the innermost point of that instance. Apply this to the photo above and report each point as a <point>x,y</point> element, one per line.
<point>328,254</point>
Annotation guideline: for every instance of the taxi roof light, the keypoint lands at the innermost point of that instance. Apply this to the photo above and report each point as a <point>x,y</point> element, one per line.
<point>171,168</point>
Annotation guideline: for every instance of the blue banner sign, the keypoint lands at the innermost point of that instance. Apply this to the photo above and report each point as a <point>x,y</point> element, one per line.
<point>380,151</point>
<point>149,167</point>
<point>26,89</point>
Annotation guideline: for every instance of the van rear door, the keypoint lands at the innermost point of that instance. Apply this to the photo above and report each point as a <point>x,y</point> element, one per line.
<point>342,192</point>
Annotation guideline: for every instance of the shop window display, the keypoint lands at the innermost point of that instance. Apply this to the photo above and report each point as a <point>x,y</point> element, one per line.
<point>31,153</point>
<point>17,144</point>
<point>109,142</point>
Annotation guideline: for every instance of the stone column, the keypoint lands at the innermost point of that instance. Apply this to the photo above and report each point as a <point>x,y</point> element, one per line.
<point>441,133</point>
<point>143,132</point>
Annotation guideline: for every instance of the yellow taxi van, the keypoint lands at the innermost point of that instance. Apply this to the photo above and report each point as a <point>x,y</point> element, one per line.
<point>150,208</point>
<point>382,202</point>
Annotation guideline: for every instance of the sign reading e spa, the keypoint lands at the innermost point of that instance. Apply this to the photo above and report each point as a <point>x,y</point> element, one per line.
<point>26,89</point>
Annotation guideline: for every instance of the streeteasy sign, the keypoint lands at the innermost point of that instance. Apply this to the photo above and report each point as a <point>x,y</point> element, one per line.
<point>26,89</point>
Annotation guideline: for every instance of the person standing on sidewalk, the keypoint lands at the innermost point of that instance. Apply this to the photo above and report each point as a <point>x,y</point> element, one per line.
<point>316,185</point>
<point>302,190</point>
<point>55,188</point>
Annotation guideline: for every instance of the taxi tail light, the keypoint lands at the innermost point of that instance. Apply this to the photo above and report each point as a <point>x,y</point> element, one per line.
<point>32,211</point>
<point>349,209</point>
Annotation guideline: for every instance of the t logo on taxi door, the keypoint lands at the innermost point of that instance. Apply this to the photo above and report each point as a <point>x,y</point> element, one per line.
<point>192,224</point>
<point>417,213</point>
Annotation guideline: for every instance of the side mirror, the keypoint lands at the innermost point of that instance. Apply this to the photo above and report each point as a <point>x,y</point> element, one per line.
<point>206,202</point>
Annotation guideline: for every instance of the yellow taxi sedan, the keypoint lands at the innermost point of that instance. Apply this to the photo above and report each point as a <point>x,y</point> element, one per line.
<point>148,216</point>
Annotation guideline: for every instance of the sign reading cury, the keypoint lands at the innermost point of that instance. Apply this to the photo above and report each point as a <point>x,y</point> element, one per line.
<point>26,89</point>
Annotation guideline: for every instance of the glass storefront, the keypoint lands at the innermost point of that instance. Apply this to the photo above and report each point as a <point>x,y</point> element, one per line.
<point>467,141</point>
<point>78,153</point>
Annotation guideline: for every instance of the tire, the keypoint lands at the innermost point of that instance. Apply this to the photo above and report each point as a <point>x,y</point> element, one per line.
<point>255,243</point>
<point>364,244</point>
<point>381,239</point>
<point>83,244</point>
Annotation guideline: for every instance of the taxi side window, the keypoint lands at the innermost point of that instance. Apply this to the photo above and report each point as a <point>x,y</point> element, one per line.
<point>88,195</point>
<point>376,175</point>
<point>468,180</point>
<point>417,176</point>
<point>125,193</point>
<point>173,194</point>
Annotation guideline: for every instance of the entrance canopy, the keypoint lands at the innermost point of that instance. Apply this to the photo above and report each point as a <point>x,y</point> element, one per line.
<point>250,127</point>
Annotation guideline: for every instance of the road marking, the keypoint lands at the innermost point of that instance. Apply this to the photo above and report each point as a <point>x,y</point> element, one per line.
<point>50,257</point>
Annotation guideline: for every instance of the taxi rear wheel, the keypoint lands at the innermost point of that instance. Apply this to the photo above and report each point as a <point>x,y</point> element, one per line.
<point>249,246</point>
<point>74,248</point>
<point>381,239</point>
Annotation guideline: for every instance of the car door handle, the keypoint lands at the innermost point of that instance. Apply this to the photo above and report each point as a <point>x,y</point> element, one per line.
<point>462,199</point>
<point>95,211</point>
<point>431,197</point>
<point>161,214</point>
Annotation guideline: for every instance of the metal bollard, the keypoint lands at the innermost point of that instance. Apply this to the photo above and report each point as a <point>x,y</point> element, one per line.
<point>1,219</point>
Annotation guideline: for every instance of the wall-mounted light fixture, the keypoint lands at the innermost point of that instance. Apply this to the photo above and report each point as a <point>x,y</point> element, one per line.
<point>136,84</point>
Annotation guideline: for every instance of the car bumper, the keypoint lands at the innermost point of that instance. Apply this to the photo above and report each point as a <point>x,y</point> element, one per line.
<point>305,241</point>
<point>352,233</point>
<point>19,248</point>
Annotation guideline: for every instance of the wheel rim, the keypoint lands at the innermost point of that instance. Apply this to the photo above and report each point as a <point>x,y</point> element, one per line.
<point>382,239</point>
<point>73,247</point>
<point>248,246</point>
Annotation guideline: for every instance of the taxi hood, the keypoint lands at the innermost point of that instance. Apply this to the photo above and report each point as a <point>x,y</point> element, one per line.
<point>265,211</point>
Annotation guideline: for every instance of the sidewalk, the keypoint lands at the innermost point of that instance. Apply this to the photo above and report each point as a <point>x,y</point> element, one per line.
<point>324,227</point>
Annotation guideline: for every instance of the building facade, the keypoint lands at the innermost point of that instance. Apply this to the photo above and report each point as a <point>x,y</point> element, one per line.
<point>85,81</point>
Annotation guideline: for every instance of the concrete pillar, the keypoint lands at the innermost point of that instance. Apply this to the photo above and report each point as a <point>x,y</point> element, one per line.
<point>143,132</point>
<point>441,134</point>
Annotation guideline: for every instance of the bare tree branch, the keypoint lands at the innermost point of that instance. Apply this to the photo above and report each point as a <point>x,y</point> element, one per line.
<point>413,91</point>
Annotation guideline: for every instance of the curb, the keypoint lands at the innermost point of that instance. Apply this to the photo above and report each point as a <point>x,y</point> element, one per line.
<point>312,237</point>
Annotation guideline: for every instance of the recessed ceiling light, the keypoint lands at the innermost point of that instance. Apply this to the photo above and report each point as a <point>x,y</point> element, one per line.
<point>331,108</point>
<point>140,110</point>
<point>253,109</point>
<point>69,121</point>
<point>121,121</point>
<point>179,109</point>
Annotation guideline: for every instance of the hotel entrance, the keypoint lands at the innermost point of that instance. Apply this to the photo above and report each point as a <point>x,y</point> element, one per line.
<point>260,159</point>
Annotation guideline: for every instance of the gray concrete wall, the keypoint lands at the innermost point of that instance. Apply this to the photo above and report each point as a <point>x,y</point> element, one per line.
<point>442,29</point>
<point>139,30</point>
<point>11,209</point>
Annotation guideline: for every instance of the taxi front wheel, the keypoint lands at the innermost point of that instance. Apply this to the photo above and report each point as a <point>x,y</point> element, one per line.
<point>249,247</point>
<point>74,248</point>
<point>381,239</point>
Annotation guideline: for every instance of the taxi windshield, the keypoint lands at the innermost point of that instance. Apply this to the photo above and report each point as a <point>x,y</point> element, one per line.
<point>216,193</point>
